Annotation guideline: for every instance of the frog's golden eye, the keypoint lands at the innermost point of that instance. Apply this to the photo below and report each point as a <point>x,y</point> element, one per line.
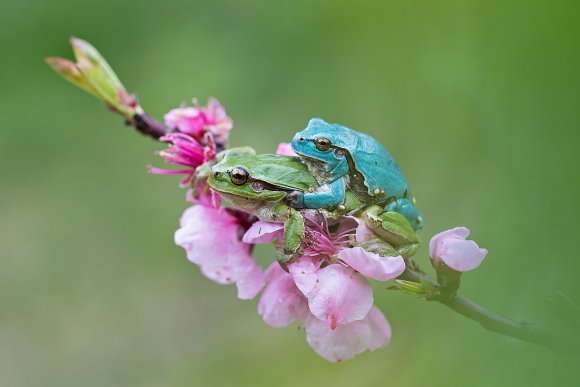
<point>323,144</point>
<point>239,176</point>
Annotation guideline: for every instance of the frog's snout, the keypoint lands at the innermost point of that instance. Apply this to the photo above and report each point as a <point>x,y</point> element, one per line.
<point>216,174</point>
<point>297,142</point>
<point>297,138</point>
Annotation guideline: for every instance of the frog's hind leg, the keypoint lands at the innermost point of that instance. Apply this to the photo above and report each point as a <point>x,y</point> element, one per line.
<point>406,207</point>
<point>293,237</point>
<point>394,228</point>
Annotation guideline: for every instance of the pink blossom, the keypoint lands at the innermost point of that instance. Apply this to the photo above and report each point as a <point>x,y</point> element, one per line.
<point>348,340</point>
<point>226,260</point>
<point>281,302</point>
<point>285,149</point>
<point>335,293</point>
<point>184,151</point>
<point>340,296</point>
<point>458,253</point>
<point>380,268</point>
<point>197,120</point>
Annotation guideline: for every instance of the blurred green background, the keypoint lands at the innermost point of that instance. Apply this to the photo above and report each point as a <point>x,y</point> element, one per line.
<point>477,100</point>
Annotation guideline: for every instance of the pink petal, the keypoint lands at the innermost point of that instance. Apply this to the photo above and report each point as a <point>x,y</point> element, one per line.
<point>361,232</point>
<point>348,340</point>
<point>380,329</point>
<point>285,149</point>
<point>248,275</point>
<point>457,232</point>
<point>210,238</point>
<point>339,344</point>
<point>272,272</point>
<point>380,268</point>
<point>303,272</point>
<point>462,255</point>
<point>263,232</point>
<point>218,123</point>
<point>199,224</point>
<point>187,119</point>
<point>341,296</point>
<point>203,197</point>
<point>361,229</point>
<point>215,110</point>
<point>281,302</point>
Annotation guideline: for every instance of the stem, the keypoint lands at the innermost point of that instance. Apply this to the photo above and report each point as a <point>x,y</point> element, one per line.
<point>491,321</point>
<point>148,125</point>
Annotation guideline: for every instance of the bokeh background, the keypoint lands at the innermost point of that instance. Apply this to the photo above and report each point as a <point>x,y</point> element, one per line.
<point>477,100</point>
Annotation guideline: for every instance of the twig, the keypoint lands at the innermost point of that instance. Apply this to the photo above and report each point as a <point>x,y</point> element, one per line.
<point>148,126</point>
<point>491,321</point>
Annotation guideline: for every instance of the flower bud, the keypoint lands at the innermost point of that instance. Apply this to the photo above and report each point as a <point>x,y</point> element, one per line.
<point>455,251</point>
<point>92,73</point>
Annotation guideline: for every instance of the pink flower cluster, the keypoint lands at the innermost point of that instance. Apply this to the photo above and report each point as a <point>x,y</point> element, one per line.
<point>194,141</point>
<point>325,290</point>
<point>196,120</point>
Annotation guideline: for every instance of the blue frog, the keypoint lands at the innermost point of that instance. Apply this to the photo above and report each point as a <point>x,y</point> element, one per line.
<point>341,158</point>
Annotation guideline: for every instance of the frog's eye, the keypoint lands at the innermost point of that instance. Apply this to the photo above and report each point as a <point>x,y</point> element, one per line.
<point>239,176</point>
<point>323,144</point>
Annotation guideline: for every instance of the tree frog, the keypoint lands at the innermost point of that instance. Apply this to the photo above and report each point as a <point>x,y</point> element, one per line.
<point>259,184</point>
<point>342,158</point>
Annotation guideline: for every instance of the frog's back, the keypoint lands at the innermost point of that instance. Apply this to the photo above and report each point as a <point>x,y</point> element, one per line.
<point>379,169</point>
<point>284,171</point>
<point>381,175</point>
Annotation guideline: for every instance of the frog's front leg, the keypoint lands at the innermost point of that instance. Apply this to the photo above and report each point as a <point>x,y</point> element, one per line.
<point>326,196</point>
<point>393,228</point>
<point>406,207</point>
<point>293,234</point>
